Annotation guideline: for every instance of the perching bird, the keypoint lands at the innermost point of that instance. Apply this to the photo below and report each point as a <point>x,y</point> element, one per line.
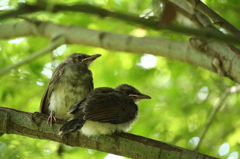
<point>105,111</point>
<point>71,81</point>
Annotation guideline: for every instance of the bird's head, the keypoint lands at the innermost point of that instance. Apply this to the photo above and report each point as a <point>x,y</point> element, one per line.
<point>131,92</point>
<point>82,58</point>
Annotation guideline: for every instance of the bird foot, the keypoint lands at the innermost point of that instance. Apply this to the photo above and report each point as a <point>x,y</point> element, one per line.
<point>51,119</point>
<point>60,133</point>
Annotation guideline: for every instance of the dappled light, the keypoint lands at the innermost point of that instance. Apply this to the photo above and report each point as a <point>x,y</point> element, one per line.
<point>60,50</point>
<point>47,70</point>
<point>203,93</point>
<point>233,155</point>
<point>194,102</point>
<point>16,41</point>
<point>111,156</point>
<point>224,149</point>
<point>193,142</point>
<point>148,61</point>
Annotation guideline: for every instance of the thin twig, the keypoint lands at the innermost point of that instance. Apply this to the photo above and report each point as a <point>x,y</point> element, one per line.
<point>218,107</point>
<point>55,43</point>
<point>217,19</point>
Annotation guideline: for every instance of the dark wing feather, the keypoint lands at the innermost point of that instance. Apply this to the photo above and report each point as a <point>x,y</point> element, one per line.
<point>77,109</point>
<point>71,126</point>
<point>111,107</point>
<point>52,84</point>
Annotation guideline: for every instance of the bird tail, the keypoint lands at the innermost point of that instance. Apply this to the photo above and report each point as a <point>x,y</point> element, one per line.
<point>72,126</point>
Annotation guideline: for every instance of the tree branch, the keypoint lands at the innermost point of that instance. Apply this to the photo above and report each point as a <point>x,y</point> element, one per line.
<point>199,19</point>
<point>34,125</point>
<point>90,9</point>
<point>55,43</point>
<point>216,109</point>
<point>188,12</point>
<point>217,19</point>
<point>196,53</point>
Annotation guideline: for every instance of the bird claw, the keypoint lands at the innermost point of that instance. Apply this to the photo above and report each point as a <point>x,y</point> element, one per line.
<point>51,119</point>
<point>60,133</point>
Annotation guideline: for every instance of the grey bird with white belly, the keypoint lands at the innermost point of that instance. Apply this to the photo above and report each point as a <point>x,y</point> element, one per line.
<point>71,81</point>
<point>105,111</point>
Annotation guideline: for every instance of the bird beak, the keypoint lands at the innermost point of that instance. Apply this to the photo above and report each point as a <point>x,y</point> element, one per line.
<point>140,96</point>
<point>91,59</point>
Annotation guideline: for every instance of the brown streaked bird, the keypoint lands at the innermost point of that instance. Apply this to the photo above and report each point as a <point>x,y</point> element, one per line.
<point>105,111</point>
<point>71,81</point>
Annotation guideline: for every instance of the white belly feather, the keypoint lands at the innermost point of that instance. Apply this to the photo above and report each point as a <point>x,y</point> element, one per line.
<point>70,90</point>
<point>91,128</point>
<point>60,103</point>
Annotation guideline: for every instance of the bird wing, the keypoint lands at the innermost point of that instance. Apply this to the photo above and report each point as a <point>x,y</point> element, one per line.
<point>76,107</point>
<point>114,108</point>
<point>71,126</point>
<point>52,84</point>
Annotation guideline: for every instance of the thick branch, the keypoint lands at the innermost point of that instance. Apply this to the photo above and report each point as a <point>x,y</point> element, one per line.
<point>132,18</point>
<point>188,12</point>
<point>35,126</point>
<point>217,19</point>
<point>180,51</point>
<point>196,17</point>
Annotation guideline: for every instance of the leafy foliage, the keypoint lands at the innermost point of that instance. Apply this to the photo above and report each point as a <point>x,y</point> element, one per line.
<point>183,96</point>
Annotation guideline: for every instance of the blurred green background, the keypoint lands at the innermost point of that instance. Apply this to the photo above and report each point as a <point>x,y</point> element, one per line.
<point>183,96</point>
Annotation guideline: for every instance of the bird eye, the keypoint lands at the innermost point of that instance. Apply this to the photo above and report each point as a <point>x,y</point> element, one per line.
<point>79,58</point>
<point>128,92</point>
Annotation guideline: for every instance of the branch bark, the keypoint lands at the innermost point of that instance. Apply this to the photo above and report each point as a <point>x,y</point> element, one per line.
<point>217,19</point>
<point>34,125</point>
<point>132,18</point>
<point>192,15</point>
<point>196,53</point>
